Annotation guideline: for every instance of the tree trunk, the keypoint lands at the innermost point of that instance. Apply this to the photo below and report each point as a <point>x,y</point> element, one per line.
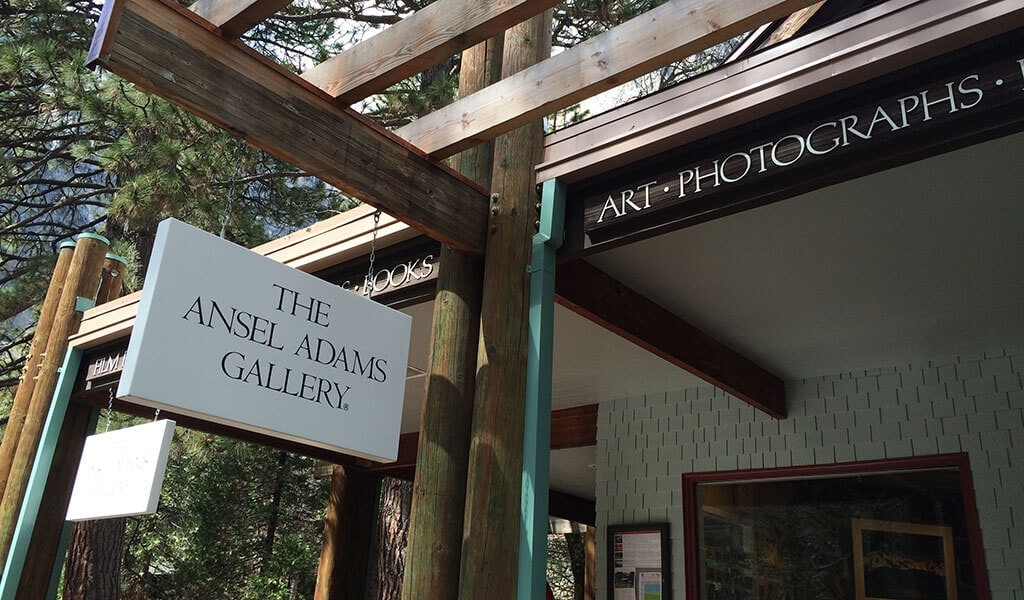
<point>577,544</point>
<point>590,551</point>
<point>348,533</point>
<point>275,506</point>
<point>391,539</point>
<point>94,560</point>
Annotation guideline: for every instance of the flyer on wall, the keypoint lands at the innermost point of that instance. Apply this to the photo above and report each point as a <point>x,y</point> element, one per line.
<point>637,563</point>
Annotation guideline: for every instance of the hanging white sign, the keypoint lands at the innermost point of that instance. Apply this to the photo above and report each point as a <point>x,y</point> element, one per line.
<point>233,337</point>
<point>121,472</point>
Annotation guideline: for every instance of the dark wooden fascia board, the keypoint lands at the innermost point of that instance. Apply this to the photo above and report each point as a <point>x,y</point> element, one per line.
<point>595,295</point>
<point>878,41</point>
<point>574,427</point>
<point>573,508</point>
<point>168,50</point>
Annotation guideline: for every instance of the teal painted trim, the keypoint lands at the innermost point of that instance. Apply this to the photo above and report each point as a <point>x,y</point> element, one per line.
<point>65,534</point>
<point>120,259</point>
<point>94,236</point>
<point>83,304</point>
<point>64,245</point>
<point>533,533</point>
<point>40,472</point>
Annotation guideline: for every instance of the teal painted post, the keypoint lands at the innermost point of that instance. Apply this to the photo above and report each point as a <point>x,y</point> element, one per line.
<point>40,472</point>
<point>537,437</point>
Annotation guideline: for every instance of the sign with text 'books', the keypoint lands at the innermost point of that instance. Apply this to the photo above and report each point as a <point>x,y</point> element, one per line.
<point>233,337</point>
<point>121,472</point>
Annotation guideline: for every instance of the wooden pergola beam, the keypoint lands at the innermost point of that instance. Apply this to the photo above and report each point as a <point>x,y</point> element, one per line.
<point>570,428</point>
<point>656,38</point>
<point>595,295</point>
<point>416,43</point>
<point>166,49</point>
<point>235,17</point>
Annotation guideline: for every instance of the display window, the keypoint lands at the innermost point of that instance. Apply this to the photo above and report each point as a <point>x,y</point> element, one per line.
<point>903,529</point>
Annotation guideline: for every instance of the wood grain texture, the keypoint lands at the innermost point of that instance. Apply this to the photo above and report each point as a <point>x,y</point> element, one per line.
<point>494,485</point>
<point>597,296</point>
<point>439,488</point>
<point>422,40</point>
<point>165,49</point>
<point>23,395</point>
<point>348,535</point>
<point>235,17</point>
<point>574,427</point>
<point>82,280</point>
<point>658,37</point>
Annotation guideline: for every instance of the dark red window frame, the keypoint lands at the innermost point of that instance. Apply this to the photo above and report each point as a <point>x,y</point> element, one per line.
<point>960,461</point>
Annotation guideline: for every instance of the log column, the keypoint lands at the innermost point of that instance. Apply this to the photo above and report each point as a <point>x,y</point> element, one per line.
<point>50,536</point>
<point>22,398</point>
<point>82,281</point>
<point>439,488</point>
<point>495,463</point>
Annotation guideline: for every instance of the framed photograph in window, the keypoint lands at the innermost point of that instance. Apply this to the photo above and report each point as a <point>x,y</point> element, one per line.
<point>892,559</point>
<point>639,564</point>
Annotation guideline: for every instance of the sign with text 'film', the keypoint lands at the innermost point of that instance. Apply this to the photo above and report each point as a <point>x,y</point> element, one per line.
<point>233,337</point>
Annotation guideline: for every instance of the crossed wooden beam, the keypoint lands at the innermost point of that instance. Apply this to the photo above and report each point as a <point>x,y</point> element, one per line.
<point>193,58</point>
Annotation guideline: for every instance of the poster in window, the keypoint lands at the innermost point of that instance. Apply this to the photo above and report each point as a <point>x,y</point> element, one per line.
<point>638,562</point>
<point>903,560</point>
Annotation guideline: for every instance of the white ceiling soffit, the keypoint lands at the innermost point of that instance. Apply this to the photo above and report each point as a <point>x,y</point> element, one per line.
<point>924,261</point>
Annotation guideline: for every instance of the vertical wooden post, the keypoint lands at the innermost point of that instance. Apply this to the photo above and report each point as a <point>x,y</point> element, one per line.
<point>439,488</point>
<point>492,526</point>
<point>37,348</point>
<point>82,281</point>
<point>50,537</point>
<point>112,280</point>
<point>29,513</point>
<point>348,530</point>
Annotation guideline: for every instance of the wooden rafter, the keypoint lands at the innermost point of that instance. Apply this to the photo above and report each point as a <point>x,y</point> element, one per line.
<point>656,38</point>
<point>591,293</point>
<point>570,428</point>
<point>166,49</point>
<point>235,17</point>
<point>416,43</point>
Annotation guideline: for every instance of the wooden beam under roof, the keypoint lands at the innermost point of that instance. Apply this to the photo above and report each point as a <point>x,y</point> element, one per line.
<point>656,38</point>
<point>570,428</point>
<point>235,17</point>
<point>166,49</point>
<point>418,42</point>
<point>591,293</point>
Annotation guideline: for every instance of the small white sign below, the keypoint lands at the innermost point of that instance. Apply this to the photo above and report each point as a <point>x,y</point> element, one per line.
<point>121,472</point>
